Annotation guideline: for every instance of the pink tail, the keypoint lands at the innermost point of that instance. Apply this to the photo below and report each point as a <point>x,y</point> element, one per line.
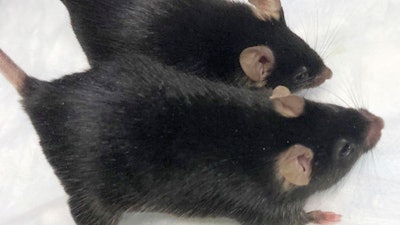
<point>15,75</point>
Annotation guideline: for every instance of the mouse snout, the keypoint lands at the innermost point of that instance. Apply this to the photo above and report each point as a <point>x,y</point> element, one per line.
<point>325,74</point>
<point>376,125</point>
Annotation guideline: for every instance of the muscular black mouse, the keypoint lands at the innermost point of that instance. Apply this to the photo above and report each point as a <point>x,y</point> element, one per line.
<point>237,43</point>
<point>135,135</point>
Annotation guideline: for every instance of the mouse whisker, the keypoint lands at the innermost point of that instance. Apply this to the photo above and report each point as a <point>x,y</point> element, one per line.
<point>348,89</point>
<point>321,48</point>
<point>358,90</point>
<point>374,161</point>
<point>336,96</point>
<point>331,38</point>
<point>315,25</point>
<point>354,97</point>
<point>329,34</point>
<point>303,32</point>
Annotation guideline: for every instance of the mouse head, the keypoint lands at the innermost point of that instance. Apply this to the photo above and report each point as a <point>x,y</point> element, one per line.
<point>314,144</point>
<point>332,138</point>
<point>275,55</point>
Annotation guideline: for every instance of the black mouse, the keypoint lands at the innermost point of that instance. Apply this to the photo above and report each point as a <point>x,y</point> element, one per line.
<point>135,135</point>
<point>237,43</point>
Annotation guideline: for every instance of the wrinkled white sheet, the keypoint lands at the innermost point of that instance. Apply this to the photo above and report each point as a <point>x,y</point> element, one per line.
<point>359,40</point>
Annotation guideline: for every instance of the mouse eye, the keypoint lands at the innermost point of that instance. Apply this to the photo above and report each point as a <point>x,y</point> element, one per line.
<point>346,150</point>
<point>301,75</point>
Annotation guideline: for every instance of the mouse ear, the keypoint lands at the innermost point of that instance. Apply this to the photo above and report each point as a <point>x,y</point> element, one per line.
<point>294,166</point>
<point>267,9</point>
<point>257,62</point>
<point>286,104</point>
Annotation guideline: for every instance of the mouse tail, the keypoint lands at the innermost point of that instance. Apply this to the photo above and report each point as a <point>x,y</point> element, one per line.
<point>23,83</point>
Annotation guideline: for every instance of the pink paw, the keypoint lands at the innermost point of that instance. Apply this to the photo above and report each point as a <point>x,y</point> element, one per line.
<point>324,218</point>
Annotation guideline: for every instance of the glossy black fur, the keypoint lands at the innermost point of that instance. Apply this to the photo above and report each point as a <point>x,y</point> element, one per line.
<point>203,37</point>
<point>136,135</point>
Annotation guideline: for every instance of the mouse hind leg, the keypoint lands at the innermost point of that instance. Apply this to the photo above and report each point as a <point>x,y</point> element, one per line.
<point>88,212</point>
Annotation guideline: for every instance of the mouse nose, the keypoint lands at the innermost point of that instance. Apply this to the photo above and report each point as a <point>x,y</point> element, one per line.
<point>325,74</point>
<point>376,124</point>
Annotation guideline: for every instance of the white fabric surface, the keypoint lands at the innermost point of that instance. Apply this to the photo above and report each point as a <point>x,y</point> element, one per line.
<point>360,40</point>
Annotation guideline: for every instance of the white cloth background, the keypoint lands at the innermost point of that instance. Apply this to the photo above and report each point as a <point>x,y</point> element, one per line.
<point>360,40</point>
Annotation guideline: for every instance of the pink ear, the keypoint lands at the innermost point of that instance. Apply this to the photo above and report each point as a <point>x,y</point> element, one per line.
<point>267,9</point>
<point>286,104</point>
<point>294,166</point>
<point>257,62</point>
<point>280,91</point>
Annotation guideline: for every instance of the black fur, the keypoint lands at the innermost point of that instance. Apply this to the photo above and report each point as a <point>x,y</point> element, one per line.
<point>138,136</point>
<point>203,37</point>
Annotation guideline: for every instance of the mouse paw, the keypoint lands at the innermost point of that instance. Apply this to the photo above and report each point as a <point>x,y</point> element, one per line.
<point>320,217</point>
